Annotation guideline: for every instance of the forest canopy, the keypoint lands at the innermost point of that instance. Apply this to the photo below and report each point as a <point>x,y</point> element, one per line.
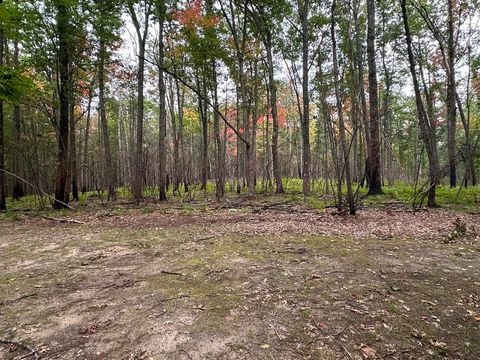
<point>149,98</point>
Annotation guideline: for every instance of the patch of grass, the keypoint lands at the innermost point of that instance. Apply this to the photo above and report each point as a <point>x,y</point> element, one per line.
<point>148,210</point>
<point>393,308</point>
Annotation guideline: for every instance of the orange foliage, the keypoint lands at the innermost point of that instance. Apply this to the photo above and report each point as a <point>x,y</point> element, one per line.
<point>192,17</point>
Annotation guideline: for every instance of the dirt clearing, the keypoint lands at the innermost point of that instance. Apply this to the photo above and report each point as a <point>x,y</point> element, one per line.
<point>231,284</point>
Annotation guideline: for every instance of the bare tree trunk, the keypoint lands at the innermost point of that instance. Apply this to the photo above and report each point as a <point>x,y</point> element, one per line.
<point>73,174</point>
<point>109,174</point>
<point>3,205</point>
<point>85,162</point>
<point>219,154</point>
<point>469,156</point>
<point>176,160</point>
<point>17,190</point>
<point>277,174</point>
<point>141,39</point>
<point>163,110</point>
<point>363,99</point>
<point>451,97</point>
<point>202,109</point>
<point>341,122</point>
<point>61,186</point>
<point>181,140</point>
<point>427,131</point>
<point>375,184</point>
<point>306,151</point>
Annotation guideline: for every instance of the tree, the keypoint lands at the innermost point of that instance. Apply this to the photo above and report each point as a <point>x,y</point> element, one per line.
<point>303,6</point>
<point>341,122</point>
<point>375,180</point>
<point>105,24</point>
<point>451,96</point>
<point>426,127</point>
<point>3,205</point>
<point>266,16</point>
<point>142,34</point>
<point>161,10</point>
<point>63,29</point>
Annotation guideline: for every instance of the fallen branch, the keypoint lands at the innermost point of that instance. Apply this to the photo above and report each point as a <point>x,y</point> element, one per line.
<point>204,238</point>
<point>60,220</point>
<point>278,206</point>
<point>36,187</point>
<point>32,352</point>
<point>170,273</point>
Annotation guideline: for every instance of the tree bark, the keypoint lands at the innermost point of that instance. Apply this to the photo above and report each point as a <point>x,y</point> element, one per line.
<point>73,174</point>
<point>451,97</point>
<point>426,128</point>
<point>3,205</point>
<point>141,38</point>
<point>163,110</point>
<point>306,151</point>
<point>108,171</point>
<point>375,186</point>
<point>341,122</point>
<point>277,174</point>
<point>219,154</point>
<point>85,161</point>
<point>63,29</point>
<point>17,190</point>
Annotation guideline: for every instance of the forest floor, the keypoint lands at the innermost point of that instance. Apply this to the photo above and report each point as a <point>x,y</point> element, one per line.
<point>249,280</point>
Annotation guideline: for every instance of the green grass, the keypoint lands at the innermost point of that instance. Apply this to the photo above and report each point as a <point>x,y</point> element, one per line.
<point>468,199</point>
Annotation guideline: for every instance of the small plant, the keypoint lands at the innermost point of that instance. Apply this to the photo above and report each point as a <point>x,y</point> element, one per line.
<point>459,231</point>
<point>147,210</point>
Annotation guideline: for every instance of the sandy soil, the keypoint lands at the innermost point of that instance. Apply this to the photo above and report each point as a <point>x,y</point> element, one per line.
<point>278,283</point>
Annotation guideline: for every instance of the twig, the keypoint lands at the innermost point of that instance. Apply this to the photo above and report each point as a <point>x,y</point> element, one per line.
<point>73,221</point>
<point>5,302</point>
<point>334,337</point>
<point>185,351</point>
<point>204,238</point>
<point>341,331</point>
<point>344,348</point>
<point>33,352</point>
<point>274,205</point>
<point>276,333</point>
<point>170,272</point>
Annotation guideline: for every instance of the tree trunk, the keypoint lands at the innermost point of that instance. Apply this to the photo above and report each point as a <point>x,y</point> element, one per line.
<point>202,109</point>
<point>219,154</point>
<point>176,160</point>
<point>17,190</point>
<point>109,174</point>
<point>138,156</point>
<point>341,122</point>
<point>3,205</point>
<point>375,185</point>
<point>84,166</point>
<point>277,174</point>
<point>163,111</point>
<point>63,29</point>
<point>427,131</point>
<point>451,97</point>
<point>73,174</point>
<point>363,100</point>
<point>306,151</point>
<point>181,140</point>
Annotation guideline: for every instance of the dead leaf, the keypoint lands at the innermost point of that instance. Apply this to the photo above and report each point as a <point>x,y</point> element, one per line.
<point>438,344</point>
<point>368,352</point>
